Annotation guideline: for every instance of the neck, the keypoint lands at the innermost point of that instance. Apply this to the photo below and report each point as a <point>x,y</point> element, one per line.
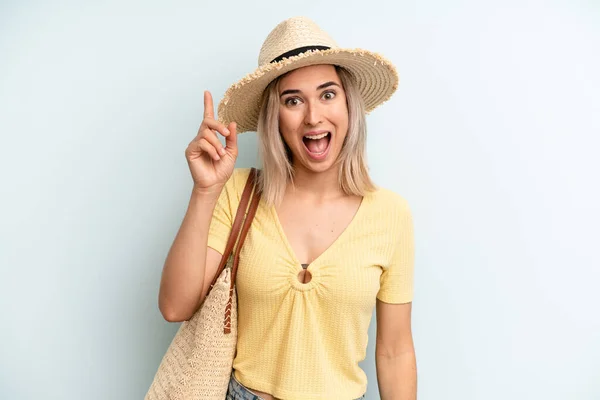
<point>316,185</point>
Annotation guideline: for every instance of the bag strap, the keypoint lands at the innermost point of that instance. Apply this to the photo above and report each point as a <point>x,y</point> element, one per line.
<point>237,223</point>
<point>236,259</point>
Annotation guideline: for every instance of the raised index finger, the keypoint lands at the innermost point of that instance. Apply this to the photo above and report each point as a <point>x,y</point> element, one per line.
<point>208,105</point>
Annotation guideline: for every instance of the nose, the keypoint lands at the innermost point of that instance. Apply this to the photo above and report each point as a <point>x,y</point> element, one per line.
<point>312,115</point>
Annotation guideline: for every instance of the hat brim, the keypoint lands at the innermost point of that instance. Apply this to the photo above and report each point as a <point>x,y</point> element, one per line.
<point>376,77</point>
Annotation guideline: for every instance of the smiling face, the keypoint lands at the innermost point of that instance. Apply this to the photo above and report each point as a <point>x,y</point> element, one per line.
<point>313,116</point>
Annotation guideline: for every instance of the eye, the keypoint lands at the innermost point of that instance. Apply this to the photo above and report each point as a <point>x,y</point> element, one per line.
<point>292,101</point>
<point>328,95</point>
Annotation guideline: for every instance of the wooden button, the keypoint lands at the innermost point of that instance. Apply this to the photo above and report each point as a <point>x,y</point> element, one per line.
<point>304,276</point>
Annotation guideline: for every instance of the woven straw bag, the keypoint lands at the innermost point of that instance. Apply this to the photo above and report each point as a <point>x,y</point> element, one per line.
<point>198,362</point>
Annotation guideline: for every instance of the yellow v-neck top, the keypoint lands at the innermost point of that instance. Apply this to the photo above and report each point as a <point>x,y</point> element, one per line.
<point>305,340</point>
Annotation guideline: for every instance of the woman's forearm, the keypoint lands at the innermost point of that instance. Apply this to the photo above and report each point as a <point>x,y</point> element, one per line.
<point>183,273</point>
<point>397,376</point>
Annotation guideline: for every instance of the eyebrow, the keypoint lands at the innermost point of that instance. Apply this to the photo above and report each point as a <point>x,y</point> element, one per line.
<point>322,86</point>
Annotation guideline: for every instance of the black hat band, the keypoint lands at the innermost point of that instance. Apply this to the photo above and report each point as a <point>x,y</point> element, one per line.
<point>297,51</point>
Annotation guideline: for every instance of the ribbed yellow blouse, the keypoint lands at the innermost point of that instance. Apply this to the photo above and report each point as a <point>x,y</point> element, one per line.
<point>304,341</point>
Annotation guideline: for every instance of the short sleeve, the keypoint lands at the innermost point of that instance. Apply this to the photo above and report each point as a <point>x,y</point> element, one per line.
<point>397,278</point>
<point>225,209</point>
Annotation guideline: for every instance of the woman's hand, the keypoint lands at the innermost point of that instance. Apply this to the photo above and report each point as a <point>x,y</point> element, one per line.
<point>210,163</point>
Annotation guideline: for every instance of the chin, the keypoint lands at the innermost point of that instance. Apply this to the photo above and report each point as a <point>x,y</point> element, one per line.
<point>319,167</point>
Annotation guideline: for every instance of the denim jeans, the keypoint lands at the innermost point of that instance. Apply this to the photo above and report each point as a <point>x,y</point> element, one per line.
<point>237,391</point>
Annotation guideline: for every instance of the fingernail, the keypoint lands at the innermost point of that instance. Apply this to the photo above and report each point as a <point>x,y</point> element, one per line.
<point>222,151</point>
<point>227,131</point>
<point>218,158</point>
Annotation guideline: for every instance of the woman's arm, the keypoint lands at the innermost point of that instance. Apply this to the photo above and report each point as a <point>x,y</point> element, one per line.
<point>395,353</point>
<point>190,264</point>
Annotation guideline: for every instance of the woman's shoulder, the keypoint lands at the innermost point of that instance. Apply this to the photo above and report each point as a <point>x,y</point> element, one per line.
<point>383,195</point>
<point>389,201</point>
<point>390,211</point>
<point>237,180</point>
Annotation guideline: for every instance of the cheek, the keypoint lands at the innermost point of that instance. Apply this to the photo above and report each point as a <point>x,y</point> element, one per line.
<point>285,118</point>
<point>340,110</point>
<point>287,125</point>
<point>289,122</point>
<point>340,119</point>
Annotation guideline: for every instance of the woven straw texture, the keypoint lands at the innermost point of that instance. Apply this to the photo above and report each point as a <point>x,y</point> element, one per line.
<point>199,360</point>
<point>377,77</point>
<point>291,34</point>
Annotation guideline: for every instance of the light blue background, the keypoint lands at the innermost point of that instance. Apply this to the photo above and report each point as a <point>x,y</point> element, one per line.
<point>493,138</point>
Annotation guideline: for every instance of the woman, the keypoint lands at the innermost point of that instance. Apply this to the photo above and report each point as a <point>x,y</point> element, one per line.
<point>326,246</point>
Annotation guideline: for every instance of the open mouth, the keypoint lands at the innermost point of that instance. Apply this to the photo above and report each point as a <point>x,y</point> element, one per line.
<point>317,145</point>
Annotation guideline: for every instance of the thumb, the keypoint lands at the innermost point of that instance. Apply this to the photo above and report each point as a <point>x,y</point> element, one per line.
<point>231,139</point>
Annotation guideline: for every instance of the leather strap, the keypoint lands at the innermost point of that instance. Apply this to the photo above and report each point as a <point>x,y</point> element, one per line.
<point>235,229</point>
<point>236,258</point>
<point>233,238</point>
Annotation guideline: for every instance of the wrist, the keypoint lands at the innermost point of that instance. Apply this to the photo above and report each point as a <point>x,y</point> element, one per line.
<point>208,195</point>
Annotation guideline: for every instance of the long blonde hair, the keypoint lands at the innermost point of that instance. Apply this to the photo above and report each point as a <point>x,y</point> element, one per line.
<point>277,167</point>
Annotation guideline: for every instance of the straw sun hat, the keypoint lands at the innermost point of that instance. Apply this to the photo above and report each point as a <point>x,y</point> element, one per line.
<point>299,42</point>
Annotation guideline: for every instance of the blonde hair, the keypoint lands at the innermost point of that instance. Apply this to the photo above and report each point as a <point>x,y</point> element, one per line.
<point>277,169</point>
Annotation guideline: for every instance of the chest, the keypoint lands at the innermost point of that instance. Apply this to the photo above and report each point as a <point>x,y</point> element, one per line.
<point>311,229</point>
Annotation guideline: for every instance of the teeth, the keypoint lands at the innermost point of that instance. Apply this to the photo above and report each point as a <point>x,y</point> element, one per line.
<point>315,137</point>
